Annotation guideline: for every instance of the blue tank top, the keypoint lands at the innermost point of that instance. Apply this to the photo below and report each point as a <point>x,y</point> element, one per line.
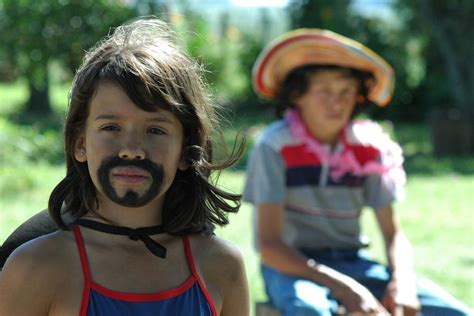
<point>190,298</point>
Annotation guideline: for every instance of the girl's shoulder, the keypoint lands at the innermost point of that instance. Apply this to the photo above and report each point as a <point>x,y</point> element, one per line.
<point>210,250</point>
<point>44,258</point>
<point>221,268</point>
<point>216,257</point>
<point>37,270</point>
<point>42,252</point>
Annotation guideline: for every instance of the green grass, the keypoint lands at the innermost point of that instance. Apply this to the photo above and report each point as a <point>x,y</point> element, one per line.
<point>24,191</point>
<point>436,215</point>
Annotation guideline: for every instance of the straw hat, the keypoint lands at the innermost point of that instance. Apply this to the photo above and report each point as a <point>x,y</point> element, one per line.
<point>314,46</point>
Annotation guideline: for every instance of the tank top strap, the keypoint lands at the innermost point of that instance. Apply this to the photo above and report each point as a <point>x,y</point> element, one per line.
<point>189,256</point>
<point>192,266</point>
<point>82,254</point>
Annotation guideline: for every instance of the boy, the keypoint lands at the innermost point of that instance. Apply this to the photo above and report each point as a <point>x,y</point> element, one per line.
<point>137,194</point>
<point>312,172</point>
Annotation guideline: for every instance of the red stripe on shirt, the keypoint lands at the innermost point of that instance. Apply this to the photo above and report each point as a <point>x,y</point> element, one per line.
<point>364,154</point>
<point>299,156</point>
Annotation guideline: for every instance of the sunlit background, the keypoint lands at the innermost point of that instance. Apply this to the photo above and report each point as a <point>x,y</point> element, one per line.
<point>429,44</point>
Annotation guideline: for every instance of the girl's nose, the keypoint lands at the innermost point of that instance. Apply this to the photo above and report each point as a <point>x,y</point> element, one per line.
<point>132,149</point>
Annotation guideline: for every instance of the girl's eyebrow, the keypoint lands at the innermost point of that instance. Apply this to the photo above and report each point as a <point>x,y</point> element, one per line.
<point>105,117</point>
<point>161,118</point>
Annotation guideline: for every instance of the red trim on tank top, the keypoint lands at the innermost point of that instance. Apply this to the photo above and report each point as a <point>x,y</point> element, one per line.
<point>85,270</point>
<point>137,297</point>
<point>145,297</point>
<point>192,266</point>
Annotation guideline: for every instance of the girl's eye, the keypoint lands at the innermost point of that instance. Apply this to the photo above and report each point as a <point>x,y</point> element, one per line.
<point>110,128</point>
<point>156,130</point>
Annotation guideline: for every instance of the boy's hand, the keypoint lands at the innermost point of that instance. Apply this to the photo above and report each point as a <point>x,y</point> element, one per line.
<point>357,300</point>
<point>401,299</point>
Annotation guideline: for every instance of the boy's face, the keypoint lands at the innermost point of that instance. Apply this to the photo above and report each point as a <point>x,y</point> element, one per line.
<point>132,155</point>
<point>329,101</point>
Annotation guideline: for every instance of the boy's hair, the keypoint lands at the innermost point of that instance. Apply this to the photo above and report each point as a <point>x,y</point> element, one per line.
<point>143,58</point>
<point>297,82</point>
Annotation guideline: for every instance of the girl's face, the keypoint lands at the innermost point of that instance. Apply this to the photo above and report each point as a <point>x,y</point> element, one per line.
<point>327,105</point>
<point>132,155</point>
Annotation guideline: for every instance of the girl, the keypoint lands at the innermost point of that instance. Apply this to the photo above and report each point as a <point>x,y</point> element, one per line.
<point>137,206</point>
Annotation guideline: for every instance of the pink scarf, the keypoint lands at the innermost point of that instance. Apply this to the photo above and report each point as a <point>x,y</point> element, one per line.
<point>344,161</point>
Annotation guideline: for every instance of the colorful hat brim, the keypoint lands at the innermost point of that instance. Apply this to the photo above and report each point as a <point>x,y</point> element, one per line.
<point>314,46</point>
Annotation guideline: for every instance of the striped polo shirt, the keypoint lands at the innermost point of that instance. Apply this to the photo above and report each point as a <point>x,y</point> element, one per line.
<point>321,210</point>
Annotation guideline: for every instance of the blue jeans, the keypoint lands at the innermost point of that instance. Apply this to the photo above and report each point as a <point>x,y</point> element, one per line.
<point>299,297</point>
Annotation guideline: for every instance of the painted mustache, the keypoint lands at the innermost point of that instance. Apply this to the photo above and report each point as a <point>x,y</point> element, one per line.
<point>133,171</point>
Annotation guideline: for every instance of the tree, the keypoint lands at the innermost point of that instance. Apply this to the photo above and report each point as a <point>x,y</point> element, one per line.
<point>333,15</point>
<point>445,29</point>
<point>35,32</point>
<point>450,22</point>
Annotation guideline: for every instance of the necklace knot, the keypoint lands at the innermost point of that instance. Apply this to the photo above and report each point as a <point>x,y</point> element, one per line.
<point>142,233</point>
<point>135,235</point>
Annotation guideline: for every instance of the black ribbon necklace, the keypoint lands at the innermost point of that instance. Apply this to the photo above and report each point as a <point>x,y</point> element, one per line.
<point>142,233</point>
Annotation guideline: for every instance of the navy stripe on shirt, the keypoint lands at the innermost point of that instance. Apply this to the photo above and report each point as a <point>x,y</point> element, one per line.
<point>310,175</point>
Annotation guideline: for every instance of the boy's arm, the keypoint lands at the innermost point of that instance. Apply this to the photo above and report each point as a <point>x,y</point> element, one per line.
<point>401,291</point>
<point>276,254</point>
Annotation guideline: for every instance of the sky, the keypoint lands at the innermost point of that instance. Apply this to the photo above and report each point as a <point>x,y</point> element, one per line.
<point>373,7</point>
<point>260,3</point>
<point>246,12</point>
<point>364,7</point>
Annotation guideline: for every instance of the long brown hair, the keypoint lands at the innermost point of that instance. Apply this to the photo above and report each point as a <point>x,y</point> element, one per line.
<point>144,58</point>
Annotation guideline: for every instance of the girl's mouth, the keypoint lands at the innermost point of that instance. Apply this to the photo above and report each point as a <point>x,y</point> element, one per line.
<point>130,175</point>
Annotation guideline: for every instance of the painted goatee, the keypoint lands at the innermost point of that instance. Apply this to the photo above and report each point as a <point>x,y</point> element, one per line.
<point>131,197</point>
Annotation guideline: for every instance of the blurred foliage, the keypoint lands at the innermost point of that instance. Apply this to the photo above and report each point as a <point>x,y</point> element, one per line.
<point>36,32</point>
<point>445,30</point>
<point>431,59</point>
<point>334,15</point>
<point>227,54</point>
<point>29,143</point>
<point>201,44</point>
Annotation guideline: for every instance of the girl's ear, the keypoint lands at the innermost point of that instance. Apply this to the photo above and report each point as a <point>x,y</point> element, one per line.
<point>80,150</point>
